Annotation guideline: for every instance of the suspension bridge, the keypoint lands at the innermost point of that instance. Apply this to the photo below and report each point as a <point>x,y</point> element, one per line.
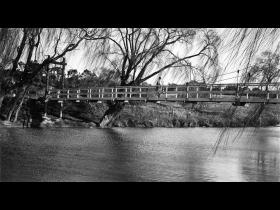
<point>242,93</point>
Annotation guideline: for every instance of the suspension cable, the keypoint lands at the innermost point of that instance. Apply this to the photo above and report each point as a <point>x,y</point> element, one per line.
<point>228,73</point>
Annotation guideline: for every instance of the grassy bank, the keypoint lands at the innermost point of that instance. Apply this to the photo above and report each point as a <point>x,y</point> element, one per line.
<point>187,115</point>
<point>173,114</point>
<point>161,115</point>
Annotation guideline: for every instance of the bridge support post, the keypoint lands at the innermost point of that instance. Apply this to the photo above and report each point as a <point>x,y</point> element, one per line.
<point>46,103</point>
<point>61,108</point>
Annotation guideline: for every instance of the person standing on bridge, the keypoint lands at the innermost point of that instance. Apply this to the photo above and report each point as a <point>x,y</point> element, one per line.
<point>248,77</point>
<point>187,86</point>
<point>158,87</point>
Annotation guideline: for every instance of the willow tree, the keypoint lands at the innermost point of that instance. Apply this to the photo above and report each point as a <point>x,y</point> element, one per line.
<point>139,54</point>
<point>36,48</point>
<point>9,39</point>
<point>242,46</point>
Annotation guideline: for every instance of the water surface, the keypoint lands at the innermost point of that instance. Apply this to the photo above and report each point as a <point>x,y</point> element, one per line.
<point>128,154</point>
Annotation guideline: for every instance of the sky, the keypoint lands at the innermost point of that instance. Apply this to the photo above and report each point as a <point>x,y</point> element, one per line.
<point>75,61</point>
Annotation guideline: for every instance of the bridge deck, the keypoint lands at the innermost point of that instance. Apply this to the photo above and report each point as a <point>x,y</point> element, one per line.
<point>249,93</point>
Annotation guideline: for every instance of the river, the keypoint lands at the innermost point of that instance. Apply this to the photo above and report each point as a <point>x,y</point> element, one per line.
<point>137,154</point>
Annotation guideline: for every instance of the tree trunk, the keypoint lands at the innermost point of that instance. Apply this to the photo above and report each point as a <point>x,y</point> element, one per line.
<point>20,105</point>
<point>2,96</point>
<point>111,114</point>
<point>13,108</point>
<point>14,104</point>
<point>17,110</point>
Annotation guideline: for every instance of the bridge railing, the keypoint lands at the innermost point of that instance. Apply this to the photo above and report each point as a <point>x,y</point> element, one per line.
<point>193,91</point>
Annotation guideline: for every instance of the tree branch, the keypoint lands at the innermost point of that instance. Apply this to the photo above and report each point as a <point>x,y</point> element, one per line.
<point>20,50</point>
<point>170,65</point>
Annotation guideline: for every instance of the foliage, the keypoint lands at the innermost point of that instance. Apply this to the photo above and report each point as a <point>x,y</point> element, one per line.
<point>138,54</point>
<point>266,69</point>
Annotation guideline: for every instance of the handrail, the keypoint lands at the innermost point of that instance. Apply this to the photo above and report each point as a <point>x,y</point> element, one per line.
<point>205,92</point>
<point>174,86</point>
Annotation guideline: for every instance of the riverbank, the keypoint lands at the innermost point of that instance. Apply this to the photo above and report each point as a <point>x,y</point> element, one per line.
<point>199,115</point>
<point>51,122</point>
<point>169,115</point>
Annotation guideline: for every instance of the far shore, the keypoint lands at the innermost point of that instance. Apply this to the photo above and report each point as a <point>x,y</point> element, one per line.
<point>54,122</point>
<point>150,115</point>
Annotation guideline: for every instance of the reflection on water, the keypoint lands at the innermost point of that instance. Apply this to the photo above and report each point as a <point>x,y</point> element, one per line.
<point>263,164</point>
<point>157,154</point>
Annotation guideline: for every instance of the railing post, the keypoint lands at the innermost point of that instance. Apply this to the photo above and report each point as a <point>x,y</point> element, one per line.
<point>61,109</point>
<point>102,93</point>
<point>112,95</point>
<point>89,93</point>
<point>197,91</point>
<point>130,90</point>
<point>187,91</point>
<point>140,90</point>
<point>99,93</point>
<point>116,94</point>
<point>277,94</point>
<point>267,95</point>
<point>176,92</point>
<point>78,93</point>
<point>166,88</point>
<point>58,92</point>
<point>68,93</point>
<point>211,87</point>
<point>125,93</point>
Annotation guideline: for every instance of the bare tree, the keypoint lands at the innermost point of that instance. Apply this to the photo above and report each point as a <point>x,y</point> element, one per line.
<point>242,46</point>
<point>265,70</point>
<point>138,54</point>
<point>9,39</point>
<point>36,48</point>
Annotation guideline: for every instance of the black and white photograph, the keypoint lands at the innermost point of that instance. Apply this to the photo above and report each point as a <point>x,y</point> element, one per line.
<point>146,104</point>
